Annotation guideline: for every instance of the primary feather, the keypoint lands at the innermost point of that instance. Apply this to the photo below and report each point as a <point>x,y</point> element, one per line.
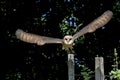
<point>33,38</point>
<point>97,23</point>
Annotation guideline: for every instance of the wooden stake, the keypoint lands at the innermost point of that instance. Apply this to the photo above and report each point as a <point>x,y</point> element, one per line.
<point>99,68</point>
<point>71,67</point>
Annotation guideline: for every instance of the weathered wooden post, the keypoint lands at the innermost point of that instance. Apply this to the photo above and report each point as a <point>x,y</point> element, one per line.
<point>71,67</point>
<point>99,68</point>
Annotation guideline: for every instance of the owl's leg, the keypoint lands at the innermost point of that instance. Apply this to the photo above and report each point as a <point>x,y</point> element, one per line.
<point>67,47</point>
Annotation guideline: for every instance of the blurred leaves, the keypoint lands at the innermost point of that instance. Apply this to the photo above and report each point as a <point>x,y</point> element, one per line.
<point>115,74</point>
<point>86,73</point>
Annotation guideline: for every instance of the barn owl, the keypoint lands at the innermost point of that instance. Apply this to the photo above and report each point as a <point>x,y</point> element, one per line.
<point>67,40</point>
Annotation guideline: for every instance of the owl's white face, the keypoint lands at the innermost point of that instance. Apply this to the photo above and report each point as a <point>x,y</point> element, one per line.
<point>68,39</point>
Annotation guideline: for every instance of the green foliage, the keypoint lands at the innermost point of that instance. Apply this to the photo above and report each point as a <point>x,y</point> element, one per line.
<point>14,76</point>
<point>86,73</point>
<point>116,7</point>
<point>115,73</point>
<point>66,28</point>
<point>42,20</point>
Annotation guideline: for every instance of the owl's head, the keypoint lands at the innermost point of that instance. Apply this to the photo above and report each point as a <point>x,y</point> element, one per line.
<point>68,39</point>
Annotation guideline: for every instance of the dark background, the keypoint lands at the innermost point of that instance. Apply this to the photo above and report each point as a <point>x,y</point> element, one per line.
<point>24,61</point>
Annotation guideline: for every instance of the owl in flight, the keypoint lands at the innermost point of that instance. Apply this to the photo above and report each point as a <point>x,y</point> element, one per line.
<point>68,40</point>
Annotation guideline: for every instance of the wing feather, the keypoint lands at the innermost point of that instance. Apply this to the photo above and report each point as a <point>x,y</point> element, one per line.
<point>33,38</point>
<point>97,23</point>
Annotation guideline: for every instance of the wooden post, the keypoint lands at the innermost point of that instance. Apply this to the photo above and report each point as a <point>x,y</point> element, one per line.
<point>99,68</point>
<point>71,64</point>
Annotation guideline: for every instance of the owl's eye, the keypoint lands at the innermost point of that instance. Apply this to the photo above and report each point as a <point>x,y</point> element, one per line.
<point>70,39</point>
<point>65,38</point>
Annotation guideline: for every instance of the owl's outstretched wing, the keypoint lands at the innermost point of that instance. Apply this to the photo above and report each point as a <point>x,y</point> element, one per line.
<point>97,23</point>
<point>33,38</point>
